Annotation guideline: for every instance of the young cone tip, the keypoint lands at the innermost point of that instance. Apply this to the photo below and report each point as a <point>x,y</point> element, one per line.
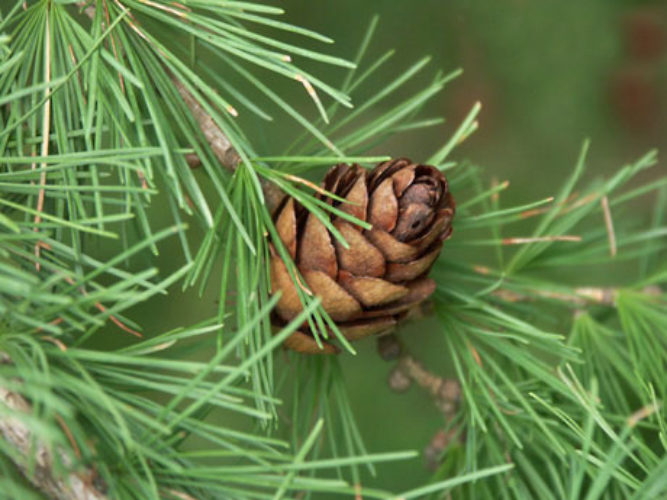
<point>372,284</point>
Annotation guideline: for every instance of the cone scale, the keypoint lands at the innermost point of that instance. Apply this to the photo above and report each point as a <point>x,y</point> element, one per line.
<point>369,286</point>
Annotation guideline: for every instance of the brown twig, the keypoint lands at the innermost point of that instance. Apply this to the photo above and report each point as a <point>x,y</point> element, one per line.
<point>445,392</point>
<point>35,458</point>
<point>222,147</point>
<point>439,443</point>
<point>581,296</point>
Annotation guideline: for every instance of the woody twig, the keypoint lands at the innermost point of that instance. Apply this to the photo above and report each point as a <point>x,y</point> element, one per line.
<point>35,459</point>
<point>445,392</point>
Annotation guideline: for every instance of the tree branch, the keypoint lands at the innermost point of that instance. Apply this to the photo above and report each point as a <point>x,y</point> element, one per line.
<point>15,432</point>
<point>582,296</point>
<point>445,392</point>
<point>408,370</point>
<point>222,147</point>
<point>39,471</point>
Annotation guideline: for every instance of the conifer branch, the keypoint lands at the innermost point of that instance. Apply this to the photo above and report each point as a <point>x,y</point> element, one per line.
<point>560,434</point>
<point>222,147</point>
<point>15,432</point>
<point>39,471</point>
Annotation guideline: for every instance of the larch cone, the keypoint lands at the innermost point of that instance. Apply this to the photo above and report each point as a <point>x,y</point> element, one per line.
<point>366,288</point>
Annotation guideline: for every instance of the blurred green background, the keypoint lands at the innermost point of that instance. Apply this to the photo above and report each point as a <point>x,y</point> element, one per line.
<point>549,73</point>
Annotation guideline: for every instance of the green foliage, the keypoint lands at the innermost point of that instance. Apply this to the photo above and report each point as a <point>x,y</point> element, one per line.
<point>562,387</point>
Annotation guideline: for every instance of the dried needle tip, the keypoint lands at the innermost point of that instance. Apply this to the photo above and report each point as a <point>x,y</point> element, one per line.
<point>609,223</point>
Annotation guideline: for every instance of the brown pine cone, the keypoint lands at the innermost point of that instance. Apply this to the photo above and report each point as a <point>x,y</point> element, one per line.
<point>368,287</point>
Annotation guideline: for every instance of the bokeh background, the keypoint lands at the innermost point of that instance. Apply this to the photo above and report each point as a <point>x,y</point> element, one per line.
<point>549,73</point>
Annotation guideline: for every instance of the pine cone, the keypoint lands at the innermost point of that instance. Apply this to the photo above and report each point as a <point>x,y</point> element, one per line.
<point>368,287</point>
